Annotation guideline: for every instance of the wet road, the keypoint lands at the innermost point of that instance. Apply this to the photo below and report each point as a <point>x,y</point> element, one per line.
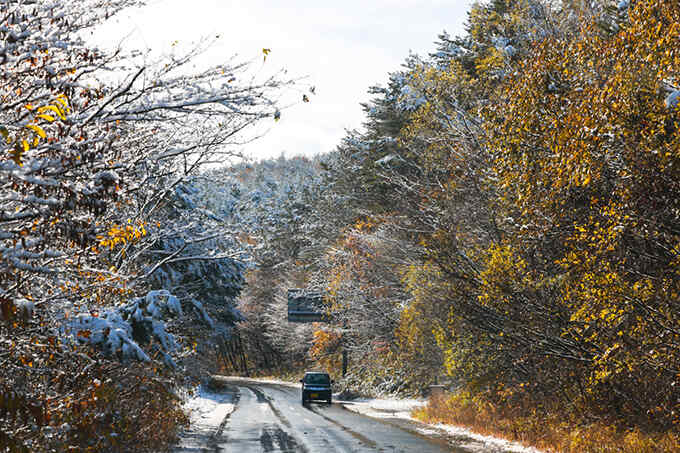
<point>271,418</point>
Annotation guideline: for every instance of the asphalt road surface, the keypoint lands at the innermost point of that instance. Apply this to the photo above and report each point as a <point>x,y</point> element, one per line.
<point>271,418</point>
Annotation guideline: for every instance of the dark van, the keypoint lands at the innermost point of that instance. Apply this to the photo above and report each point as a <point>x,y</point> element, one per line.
<point>316,386</point>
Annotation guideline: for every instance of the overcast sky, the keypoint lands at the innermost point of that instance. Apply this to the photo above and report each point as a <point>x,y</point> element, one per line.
<point>341,47</point>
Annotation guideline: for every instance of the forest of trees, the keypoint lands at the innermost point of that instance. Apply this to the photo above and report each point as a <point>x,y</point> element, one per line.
<point>506,219</point>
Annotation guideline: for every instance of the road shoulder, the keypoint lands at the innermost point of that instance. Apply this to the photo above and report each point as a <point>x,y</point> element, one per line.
<point>398,412</point>
<point>208,411</point>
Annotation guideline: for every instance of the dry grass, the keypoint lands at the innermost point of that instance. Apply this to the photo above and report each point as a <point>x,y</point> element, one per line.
<point>551,432</point>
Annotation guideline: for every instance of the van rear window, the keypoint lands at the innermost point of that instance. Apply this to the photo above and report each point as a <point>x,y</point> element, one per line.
<point>321,379</point>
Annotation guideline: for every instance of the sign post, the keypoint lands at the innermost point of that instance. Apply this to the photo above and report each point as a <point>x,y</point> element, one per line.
<point>308,306</point>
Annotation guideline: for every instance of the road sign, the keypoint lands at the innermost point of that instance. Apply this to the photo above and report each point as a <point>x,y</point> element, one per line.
<point>306,306</point>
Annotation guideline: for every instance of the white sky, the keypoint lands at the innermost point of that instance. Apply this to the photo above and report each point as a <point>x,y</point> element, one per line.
<point>341,47</point>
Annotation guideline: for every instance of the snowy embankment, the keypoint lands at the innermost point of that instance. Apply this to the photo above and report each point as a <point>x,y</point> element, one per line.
<point>391,408</point>
<point>208,411</point>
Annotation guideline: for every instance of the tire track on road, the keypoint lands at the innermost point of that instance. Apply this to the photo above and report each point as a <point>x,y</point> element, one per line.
<point>360,437</point>
<point>286,441</point>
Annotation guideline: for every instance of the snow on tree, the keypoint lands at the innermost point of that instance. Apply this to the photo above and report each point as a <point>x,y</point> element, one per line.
<point>98,215</point>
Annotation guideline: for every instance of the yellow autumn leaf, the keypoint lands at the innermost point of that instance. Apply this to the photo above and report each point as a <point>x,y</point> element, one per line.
<point>37,129</point>
<point>63,101</point>
<point>53,108</point>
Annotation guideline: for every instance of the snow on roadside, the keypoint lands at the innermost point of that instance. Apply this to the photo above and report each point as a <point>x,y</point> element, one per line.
<point>207,409</point>
<point>385,408</point>
<point>465,439</point>
<point>480,443</point>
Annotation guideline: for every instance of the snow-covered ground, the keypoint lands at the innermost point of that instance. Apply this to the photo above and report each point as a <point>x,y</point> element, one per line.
<point>385,407</point>
<point>207,408</point>
<point>465,439</point>
<point>480,443</point>
<point>207,413</point>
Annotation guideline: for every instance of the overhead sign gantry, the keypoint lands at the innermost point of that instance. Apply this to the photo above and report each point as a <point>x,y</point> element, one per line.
<point>306,306</point>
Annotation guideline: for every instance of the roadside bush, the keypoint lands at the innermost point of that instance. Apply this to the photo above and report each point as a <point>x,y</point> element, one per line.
<point>554,428</point>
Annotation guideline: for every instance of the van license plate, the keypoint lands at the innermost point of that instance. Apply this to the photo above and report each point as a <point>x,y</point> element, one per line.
<point>314,395</point>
